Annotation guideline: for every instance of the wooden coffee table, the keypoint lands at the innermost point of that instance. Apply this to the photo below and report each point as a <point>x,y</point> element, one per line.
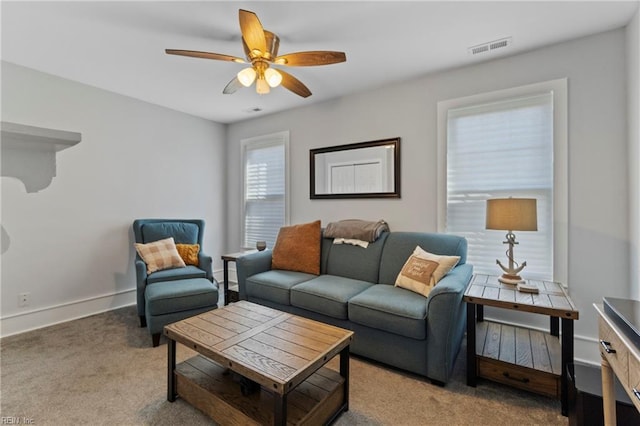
<point>283,353</point>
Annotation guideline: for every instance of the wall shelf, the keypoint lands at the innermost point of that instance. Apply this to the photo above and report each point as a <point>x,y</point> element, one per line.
<point>29,153</point>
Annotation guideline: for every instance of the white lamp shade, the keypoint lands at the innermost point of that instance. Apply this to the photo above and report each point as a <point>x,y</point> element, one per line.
<point>247,76</point>
<point>512,214</point>
<point>273,77</point>
<point>262,87</point>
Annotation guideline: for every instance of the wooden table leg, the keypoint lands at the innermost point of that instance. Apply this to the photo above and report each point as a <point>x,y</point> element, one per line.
<point>171,368</point>
<point>567,358</point>
<point>344,372</point>
<point>608,394</point>
<point>225,267</point>
<point>554,326</point>
<point>471,344</point>
<point>279,409</point>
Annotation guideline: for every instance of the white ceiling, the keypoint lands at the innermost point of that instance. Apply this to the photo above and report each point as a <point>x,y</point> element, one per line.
<point>119,46</point>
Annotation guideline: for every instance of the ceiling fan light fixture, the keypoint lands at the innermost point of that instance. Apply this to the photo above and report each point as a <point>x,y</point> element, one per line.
<point>261,50</point>
<point>262,87</point>
<point>247,76</point>
<point>273,77</point>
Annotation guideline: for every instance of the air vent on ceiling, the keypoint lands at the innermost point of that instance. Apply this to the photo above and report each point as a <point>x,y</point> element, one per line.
<point>490,46</point>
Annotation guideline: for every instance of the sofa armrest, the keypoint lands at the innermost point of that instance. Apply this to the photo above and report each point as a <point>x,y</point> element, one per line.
<point>446,322</point>
<point>205,263</point>
<point>141,283</point>
<point>249,265</point>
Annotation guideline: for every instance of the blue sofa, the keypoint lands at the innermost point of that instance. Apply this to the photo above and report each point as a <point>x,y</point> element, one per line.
<point>355,291</point>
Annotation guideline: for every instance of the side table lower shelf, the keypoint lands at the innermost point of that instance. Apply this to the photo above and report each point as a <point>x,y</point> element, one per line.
<point>523,358</point>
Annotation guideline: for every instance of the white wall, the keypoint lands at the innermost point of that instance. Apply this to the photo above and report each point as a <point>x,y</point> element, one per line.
<point>71,244</point>
<point>598,166</point>
<point>633,100</point>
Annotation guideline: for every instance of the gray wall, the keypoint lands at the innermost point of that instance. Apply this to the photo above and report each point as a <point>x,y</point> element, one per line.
<point>70,245</point>
<point>598,147</point>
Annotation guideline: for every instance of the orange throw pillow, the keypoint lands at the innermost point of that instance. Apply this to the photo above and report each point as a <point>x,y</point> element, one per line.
<point>189,253</point>
<point>298,248</point>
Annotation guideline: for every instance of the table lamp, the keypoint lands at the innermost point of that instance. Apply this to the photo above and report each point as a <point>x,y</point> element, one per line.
<point>512,214</point>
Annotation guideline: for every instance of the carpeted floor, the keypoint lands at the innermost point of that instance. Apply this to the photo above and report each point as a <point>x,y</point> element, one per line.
<point>103,370</point>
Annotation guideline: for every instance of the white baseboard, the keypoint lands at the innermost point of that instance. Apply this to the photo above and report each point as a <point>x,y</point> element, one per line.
<point>45,317</point>
<point>51,315</point>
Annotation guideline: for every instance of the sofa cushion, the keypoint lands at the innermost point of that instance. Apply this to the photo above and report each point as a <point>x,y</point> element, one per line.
<point>400,245</point>
<point>298,248</point>
<point>187,272</point>
<point>176,296</point>
<point>275,285</point>
<point>183,233</point>
<point>327,294</point>
<point>346,260</point>
<point>391,309</point>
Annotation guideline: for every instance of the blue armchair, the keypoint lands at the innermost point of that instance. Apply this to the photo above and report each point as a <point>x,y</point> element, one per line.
<point>171,295</point>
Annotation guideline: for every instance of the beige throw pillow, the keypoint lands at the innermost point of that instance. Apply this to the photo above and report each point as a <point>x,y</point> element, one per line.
<point>161,254</point>
<point>422,271</point>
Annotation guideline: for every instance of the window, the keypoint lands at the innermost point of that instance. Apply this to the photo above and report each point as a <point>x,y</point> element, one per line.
<point>265,182</point>
<point>507,144</point>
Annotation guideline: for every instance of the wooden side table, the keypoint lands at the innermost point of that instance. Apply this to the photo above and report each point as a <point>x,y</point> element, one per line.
<point>226,258</point>
<point>620,357</point>
<point>521,357</point>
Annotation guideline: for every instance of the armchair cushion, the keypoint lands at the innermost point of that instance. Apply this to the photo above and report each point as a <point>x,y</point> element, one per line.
<point>160,255</point>
<point>185,273</point>
<point>182,232</point>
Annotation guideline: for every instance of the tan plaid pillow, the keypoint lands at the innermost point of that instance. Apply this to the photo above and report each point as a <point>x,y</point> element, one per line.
<point>161,254</point>
<point>423,270</point>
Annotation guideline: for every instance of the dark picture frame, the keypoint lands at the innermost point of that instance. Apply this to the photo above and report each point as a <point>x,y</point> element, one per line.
<point>377,163</point>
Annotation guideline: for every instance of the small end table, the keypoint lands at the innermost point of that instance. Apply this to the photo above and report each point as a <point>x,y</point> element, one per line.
<point>517,356</point>
<point>226,258</point>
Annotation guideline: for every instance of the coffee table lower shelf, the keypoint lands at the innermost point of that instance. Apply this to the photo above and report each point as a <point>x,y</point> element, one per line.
<point>212,389</point>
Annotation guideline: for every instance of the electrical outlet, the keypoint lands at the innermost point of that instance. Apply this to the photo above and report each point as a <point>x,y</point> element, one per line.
<point>23,299</point>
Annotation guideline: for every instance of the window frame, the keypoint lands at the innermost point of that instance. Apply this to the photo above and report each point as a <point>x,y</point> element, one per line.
<point>560,218</point>
<point>278,138</point>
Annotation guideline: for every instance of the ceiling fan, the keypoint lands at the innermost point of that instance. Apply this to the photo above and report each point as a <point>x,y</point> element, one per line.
<point>261,50</point>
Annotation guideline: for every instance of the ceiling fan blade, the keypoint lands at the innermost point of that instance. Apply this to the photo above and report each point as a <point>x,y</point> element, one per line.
<point>295,85</point>
<point>252,31</point>
<point>233,86</point>
<point>205,55</point>
<point>311,58</point>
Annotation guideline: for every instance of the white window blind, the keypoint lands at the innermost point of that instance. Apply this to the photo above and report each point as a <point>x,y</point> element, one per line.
<point>265,189</point>
<point>499,150</point>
